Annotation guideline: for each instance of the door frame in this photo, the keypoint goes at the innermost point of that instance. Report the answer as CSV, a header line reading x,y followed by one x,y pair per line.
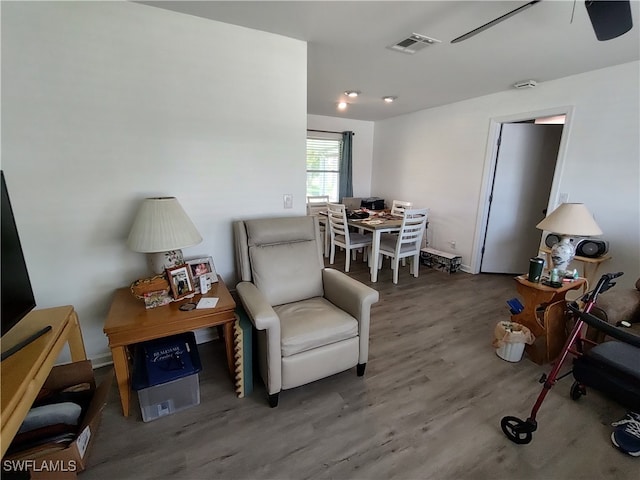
x,y
489,169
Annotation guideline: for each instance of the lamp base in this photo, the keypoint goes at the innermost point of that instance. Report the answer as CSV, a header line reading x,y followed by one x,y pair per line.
x,y
160,261
562,253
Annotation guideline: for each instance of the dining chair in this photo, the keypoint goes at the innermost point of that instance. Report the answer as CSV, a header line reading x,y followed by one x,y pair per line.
x,y
342,237
399,206
315,205
407,243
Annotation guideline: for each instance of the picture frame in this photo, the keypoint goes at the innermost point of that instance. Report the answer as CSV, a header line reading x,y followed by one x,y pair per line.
x,y
180,281
202,267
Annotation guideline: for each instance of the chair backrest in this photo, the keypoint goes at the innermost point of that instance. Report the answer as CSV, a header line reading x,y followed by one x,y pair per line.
x,y
281,256
414,224
399,206
317,204
337,215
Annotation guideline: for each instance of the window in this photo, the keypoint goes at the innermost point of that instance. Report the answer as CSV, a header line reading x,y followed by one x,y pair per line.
x,y
323,166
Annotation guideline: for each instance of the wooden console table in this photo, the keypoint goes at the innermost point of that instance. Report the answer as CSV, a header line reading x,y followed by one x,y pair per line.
x,y
549,329
24,373
129,322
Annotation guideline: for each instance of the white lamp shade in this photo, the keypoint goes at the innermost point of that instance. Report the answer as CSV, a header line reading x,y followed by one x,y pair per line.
x,y
162,225
571,219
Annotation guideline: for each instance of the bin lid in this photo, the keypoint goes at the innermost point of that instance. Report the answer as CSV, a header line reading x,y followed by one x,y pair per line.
x,y
165,359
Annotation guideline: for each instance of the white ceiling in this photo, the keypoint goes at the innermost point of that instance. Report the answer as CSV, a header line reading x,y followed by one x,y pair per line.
x,y
347,47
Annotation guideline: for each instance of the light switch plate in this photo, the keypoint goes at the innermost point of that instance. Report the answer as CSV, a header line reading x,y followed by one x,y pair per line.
x,y
288,200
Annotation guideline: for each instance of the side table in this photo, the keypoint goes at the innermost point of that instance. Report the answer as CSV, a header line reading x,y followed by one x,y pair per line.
x,y
544,315
130,322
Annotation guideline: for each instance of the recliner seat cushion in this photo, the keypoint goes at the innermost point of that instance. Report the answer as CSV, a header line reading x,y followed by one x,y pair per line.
x,y
313,323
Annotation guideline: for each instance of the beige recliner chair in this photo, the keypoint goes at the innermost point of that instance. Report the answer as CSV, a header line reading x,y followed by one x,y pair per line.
x,y
312,321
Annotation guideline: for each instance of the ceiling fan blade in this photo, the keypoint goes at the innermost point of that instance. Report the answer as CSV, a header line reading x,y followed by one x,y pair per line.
x,y
609,19
494,22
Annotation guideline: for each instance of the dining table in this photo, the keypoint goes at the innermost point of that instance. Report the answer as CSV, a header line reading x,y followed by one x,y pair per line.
x,y
377,225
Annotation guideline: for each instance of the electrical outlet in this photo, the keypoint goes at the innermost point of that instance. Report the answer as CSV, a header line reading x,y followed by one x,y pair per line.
x,y
288,200
453,244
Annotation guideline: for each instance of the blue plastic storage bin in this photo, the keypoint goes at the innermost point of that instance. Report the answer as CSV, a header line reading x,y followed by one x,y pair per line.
x,y
165,375
165,359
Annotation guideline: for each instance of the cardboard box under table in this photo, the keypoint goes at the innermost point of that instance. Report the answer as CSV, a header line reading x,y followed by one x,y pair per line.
x,y
165,375
47,454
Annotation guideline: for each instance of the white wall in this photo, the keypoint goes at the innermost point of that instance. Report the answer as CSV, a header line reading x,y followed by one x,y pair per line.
x,y
105,103
362,147
436,158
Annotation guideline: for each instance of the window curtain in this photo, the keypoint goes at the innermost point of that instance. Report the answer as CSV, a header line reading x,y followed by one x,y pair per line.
x,y
346,160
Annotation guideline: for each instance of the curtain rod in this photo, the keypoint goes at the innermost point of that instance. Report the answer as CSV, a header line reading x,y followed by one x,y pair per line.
x,y
324,131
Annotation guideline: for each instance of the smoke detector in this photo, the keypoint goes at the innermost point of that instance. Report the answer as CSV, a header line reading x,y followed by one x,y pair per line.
x,y
525,84
414,43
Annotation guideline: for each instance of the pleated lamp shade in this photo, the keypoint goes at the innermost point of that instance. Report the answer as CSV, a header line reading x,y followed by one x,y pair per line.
x,y
162,225
571,219
161,229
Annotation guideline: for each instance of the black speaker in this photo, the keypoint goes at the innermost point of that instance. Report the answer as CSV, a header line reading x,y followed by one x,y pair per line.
x,y
553,238
591,248
609,18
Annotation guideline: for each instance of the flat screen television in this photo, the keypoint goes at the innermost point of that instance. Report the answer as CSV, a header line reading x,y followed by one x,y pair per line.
x,y
17,295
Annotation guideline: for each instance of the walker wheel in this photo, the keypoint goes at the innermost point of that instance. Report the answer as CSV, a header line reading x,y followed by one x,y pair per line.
x,y
577,390
516,430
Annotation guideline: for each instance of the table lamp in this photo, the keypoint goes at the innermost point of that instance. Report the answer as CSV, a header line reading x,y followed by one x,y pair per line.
x,y
161,229
569,219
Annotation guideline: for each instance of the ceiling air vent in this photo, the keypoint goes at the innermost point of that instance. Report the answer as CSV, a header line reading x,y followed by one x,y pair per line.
x,y
413,43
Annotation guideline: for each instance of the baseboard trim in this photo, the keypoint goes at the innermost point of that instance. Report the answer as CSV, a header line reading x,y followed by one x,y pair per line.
x,y
100,361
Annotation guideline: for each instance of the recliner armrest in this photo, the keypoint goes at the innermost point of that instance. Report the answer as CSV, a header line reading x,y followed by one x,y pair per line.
x,y
348,294
356,299
262,315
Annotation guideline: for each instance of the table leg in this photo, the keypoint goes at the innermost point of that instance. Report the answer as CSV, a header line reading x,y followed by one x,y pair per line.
x,y
228,343
121,367
76,344
375,252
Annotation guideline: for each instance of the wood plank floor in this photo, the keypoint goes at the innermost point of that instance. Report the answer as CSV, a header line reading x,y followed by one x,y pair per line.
x,y
428,407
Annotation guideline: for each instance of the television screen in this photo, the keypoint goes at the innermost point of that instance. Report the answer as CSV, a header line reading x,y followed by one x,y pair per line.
x,y
17,294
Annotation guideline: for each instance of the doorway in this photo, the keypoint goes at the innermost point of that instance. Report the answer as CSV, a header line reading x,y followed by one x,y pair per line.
x,y
523,172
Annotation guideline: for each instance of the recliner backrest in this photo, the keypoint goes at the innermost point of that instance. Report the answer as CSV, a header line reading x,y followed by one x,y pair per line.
x,y
281,256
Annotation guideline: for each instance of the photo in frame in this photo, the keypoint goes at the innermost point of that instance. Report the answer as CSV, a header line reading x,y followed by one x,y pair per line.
x,y
181,281
202,267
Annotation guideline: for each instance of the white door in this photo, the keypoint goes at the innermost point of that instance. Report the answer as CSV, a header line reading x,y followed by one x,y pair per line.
x,y
524,171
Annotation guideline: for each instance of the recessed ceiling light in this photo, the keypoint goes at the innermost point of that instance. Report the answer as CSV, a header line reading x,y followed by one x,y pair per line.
x,y
342,106
389,99
352,93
